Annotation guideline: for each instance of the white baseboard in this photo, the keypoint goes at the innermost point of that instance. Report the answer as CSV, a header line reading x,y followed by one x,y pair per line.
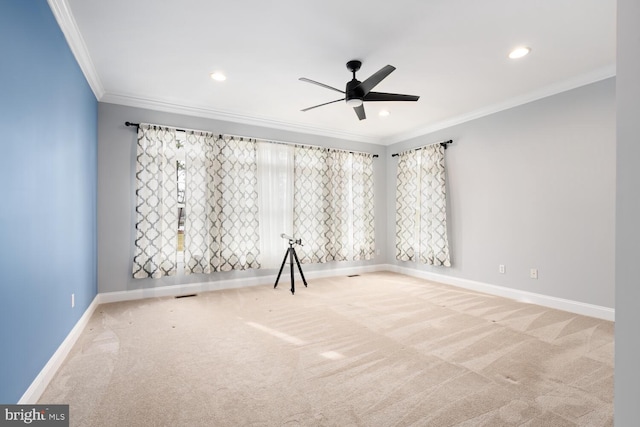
x,y
577,307
191,288
40,383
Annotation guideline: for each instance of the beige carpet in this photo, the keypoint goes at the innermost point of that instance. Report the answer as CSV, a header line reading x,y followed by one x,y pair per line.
x,y
381,349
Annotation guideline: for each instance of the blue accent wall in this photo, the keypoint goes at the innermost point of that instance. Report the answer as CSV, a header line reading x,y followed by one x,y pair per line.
x,y
48,171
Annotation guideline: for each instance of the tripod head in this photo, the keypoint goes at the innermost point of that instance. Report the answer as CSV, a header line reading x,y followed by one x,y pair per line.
x,y
291,240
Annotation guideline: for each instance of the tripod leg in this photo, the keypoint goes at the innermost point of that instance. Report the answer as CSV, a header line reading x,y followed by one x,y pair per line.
x,y
299,268
291,253
281,267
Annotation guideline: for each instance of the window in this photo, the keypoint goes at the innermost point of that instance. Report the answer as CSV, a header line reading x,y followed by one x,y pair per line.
x,y
324,196
220,203
275,200
181,183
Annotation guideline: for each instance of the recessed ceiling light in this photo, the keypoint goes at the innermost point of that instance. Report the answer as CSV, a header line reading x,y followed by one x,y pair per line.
x,y
218,76
384,113
519,52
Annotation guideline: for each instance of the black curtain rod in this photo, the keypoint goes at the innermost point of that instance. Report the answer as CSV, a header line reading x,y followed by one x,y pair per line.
x,y
443,144
137,125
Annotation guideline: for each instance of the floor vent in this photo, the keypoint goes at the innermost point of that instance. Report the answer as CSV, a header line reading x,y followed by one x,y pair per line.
x,y
187,296
354,275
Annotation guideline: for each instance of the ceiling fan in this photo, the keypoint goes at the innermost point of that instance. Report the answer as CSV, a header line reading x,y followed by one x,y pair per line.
x,y
358,92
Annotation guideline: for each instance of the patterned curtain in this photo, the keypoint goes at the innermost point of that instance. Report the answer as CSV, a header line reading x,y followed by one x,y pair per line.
x,y
421,225
221,227
339,237
200,237
155,252
362,206
333,205
311,202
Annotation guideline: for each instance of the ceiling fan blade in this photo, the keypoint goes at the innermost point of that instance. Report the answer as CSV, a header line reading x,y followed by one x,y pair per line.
x,y
360,112
304,79
381,96
376,78
326,103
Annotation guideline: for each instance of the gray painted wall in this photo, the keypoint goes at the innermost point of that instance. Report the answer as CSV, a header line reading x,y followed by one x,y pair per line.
x,y
116,192
627,374
531,187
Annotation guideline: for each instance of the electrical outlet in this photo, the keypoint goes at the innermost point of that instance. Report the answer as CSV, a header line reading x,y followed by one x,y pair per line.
x,y
501,269
73,300
533,273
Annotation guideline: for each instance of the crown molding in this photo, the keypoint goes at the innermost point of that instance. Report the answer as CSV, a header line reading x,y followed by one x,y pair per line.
x,y
169,107
554,89
67,24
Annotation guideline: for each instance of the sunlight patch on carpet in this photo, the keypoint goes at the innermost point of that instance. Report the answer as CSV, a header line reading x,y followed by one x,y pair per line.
x,y
332,355
284,337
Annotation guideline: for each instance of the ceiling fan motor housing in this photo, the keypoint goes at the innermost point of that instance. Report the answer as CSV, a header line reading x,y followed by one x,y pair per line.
x,y
353,90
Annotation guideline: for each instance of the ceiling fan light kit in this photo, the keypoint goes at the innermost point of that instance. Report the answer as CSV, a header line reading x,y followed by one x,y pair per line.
x,y
357,92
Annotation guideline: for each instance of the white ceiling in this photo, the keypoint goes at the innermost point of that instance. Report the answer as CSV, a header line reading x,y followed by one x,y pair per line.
x,y
453,53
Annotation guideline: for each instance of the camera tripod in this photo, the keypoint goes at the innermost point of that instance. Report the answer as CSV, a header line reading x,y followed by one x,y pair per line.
x,y
291,253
